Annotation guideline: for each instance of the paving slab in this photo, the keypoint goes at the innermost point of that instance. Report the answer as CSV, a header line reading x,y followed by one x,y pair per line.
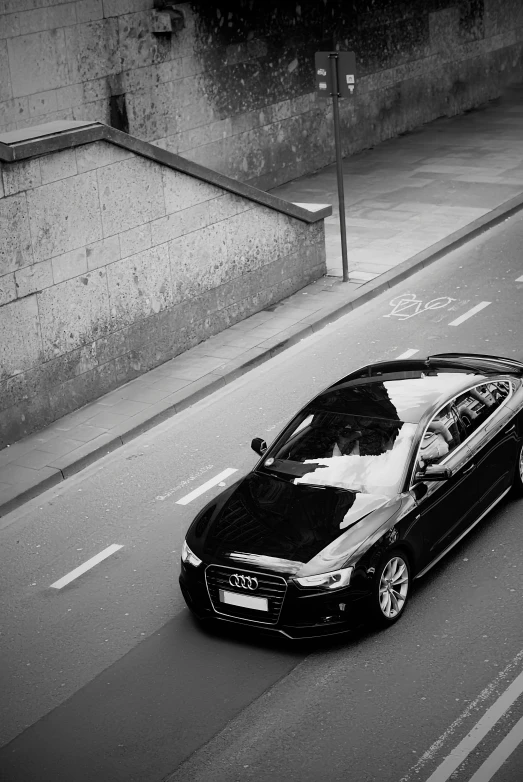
x,y
408,202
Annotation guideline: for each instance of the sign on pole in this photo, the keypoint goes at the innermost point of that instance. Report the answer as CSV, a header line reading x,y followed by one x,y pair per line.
x,y
346,73
323,74
335,78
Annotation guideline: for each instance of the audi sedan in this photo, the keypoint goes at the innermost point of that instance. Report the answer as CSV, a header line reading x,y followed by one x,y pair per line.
x,y
366,488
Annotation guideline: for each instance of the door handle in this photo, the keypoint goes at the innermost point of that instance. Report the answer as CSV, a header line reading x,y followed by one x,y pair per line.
x,y
468,469
510,429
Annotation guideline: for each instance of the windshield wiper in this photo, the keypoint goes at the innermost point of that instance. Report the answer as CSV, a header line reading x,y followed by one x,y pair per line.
x,y
326,486
295,469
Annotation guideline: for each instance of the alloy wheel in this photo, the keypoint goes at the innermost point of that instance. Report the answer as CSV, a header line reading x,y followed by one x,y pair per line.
x,y
517,485
393,587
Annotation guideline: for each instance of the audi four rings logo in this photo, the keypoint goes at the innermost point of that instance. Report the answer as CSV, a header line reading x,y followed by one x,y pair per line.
x,y
243,582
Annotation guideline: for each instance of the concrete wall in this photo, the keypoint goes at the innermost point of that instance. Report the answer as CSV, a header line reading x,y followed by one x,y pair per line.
x,y
111,263
234,89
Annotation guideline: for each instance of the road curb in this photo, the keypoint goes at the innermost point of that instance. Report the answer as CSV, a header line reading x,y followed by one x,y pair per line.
x,y
30,493
311,324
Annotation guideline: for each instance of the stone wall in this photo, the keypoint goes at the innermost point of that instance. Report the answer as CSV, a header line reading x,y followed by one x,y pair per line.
x,y
234,89
112,262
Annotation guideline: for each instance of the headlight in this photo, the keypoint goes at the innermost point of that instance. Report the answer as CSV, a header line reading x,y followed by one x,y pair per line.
x,y
334,580
188,557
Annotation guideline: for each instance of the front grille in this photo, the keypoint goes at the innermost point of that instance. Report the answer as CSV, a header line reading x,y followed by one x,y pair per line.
x,y
269,586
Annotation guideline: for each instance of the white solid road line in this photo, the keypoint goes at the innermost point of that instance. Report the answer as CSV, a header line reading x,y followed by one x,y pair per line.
x,y
408,353
503,751
478,732
470,313
206,486
430,754
86,566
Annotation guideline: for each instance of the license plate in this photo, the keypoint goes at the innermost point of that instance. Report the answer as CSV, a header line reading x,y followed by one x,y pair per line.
x,y
244,601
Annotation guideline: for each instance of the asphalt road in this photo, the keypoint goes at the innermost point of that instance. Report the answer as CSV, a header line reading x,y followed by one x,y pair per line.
x,y
108,677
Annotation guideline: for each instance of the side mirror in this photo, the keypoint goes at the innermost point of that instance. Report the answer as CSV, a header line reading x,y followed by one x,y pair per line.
x,y
419,490
434,473
259,446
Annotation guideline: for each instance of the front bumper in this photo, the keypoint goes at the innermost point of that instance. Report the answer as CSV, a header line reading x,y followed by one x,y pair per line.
x,y
303,614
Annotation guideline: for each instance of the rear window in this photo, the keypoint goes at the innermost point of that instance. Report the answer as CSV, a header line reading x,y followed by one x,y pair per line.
x,y
478,403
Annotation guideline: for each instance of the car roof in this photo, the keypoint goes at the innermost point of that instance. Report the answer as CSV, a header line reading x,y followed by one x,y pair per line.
x,y
406,390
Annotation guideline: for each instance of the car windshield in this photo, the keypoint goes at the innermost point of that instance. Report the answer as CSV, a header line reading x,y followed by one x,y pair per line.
x,y
351,452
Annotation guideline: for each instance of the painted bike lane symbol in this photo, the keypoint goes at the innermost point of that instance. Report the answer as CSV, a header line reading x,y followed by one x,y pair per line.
x,y
407,305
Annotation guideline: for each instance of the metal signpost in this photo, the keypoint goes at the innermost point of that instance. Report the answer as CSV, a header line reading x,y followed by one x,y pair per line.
x,y
335,75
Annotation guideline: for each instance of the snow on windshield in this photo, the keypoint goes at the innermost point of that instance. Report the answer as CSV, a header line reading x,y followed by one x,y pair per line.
x,y
370,474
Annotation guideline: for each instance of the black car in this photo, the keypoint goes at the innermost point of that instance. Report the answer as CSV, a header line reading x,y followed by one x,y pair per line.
x,y
368,486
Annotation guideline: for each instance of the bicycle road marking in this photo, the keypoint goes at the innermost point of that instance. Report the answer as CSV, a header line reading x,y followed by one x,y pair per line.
x,y
86,566
469,313
206,486
407,305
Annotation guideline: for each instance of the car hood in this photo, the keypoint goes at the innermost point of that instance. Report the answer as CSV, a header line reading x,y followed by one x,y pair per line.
x,y
270,522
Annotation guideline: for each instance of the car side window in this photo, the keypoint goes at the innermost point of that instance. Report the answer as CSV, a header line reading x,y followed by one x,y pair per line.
x,y
478,403
442,435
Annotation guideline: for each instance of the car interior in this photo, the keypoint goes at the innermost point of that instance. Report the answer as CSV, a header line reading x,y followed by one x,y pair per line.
x,y
457,420
325,435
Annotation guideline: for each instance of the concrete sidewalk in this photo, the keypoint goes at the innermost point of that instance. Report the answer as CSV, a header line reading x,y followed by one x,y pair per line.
x,y
408,202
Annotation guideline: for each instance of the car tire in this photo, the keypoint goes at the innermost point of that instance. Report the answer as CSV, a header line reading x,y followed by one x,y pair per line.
x,y
517,484
391,589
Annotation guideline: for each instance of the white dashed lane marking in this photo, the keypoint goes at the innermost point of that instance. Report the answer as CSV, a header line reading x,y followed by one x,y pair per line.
x,y
408,353
469,313
206,486
86,566
182,484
